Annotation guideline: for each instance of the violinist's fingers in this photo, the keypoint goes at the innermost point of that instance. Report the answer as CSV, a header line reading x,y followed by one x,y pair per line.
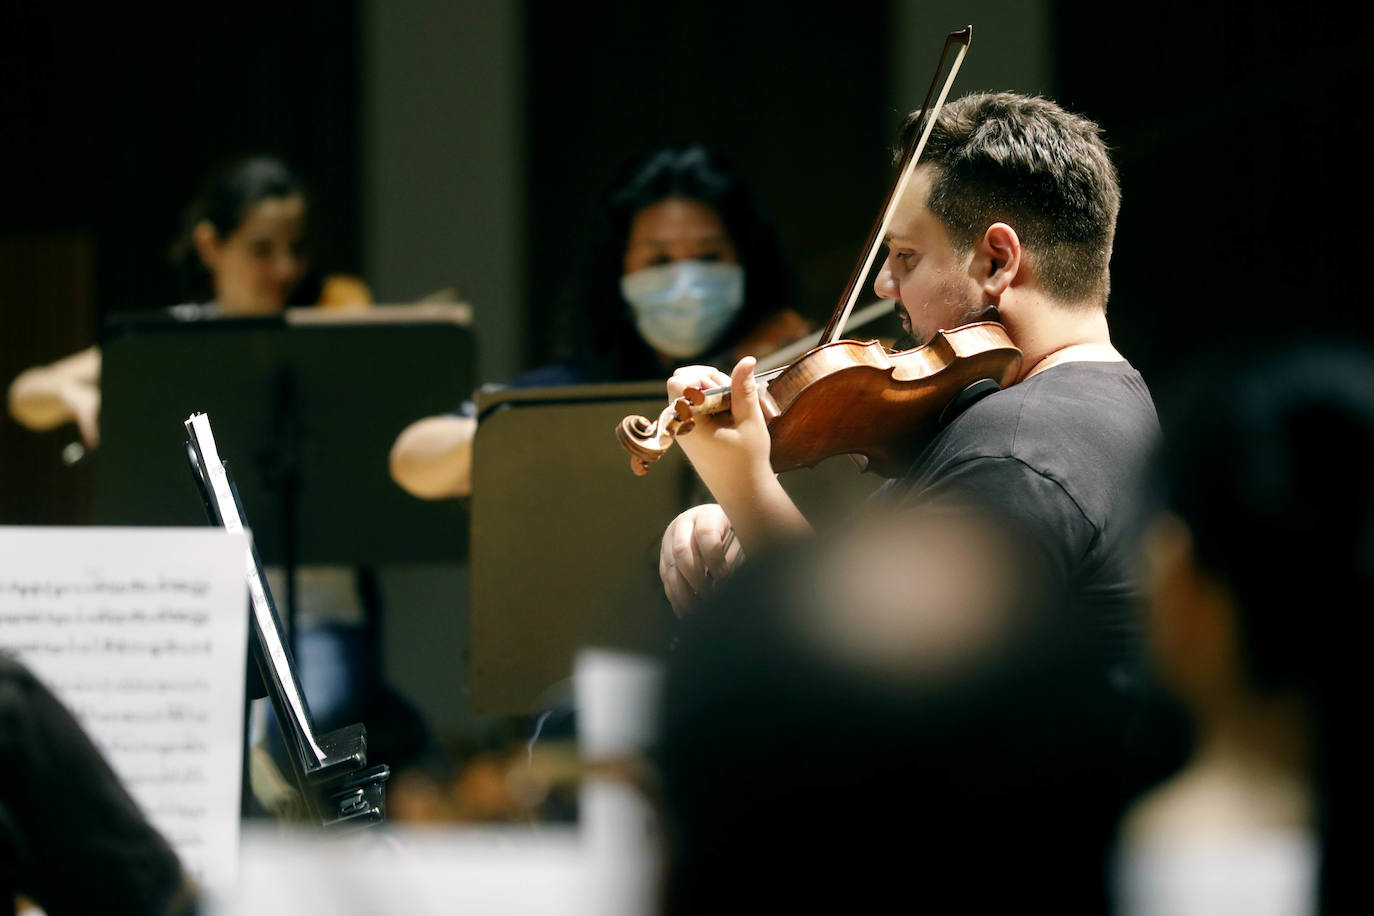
x,y
770,406
679,552
708,536
701,377
733,553
744,391
680,594
683,378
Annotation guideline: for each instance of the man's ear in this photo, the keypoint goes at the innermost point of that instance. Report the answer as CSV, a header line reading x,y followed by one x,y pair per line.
x,y
998,259
206,240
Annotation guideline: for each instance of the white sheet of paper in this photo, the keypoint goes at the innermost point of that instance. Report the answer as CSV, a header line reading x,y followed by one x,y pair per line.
x,y
142,633
414,870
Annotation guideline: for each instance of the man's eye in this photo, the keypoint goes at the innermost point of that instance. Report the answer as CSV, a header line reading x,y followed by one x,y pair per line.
x,y
261,249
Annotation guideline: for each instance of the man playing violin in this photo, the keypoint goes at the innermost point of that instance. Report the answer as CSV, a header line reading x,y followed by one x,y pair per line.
x,y
1010,215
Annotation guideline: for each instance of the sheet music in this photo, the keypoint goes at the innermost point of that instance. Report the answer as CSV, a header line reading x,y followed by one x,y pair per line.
x,y
142,633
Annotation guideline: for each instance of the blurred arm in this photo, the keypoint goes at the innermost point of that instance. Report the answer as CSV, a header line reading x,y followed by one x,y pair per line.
x,y
432,457
66,391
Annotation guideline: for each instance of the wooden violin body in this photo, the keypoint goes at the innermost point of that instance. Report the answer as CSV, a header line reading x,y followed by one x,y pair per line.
x,y
848,397
862,399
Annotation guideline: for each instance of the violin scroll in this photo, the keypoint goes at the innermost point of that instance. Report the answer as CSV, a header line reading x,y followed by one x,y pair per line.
x,y
647,441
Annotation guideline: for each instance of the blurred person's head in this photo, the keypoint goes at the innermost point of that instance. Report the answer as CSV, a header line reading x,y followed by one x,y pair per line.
x,y
1262,553
904,711
679,264
244,243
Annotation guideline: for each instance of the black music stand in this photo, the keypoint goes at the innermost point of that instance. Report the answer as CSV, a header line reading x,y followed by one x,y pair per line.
x,y
565,539
311,401
338,789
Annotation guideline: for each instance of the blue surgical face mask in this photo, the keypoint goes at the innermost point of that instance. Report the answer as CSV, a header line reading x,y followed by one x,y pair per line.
x,y
682,308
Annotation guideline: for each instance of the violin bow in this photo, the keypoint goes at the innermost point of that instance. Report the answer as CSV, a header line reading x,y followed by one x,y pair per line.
x,y
957,42
646,440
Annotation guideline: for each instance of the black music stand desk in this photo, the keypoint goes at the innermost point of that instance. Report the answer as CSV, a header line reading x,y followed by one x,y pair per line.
x,y
305,408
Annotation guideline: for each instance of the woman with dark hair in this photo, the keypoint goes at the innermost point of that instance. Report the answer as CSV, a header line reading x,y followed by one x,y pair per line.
x,y
679,228
244,247
242,252
1261,557
680,266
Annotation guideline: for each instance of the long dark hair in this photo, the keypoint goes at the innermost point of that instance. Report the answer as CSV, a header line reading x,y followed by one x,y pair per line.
x,y
223,200
601,338
1267,461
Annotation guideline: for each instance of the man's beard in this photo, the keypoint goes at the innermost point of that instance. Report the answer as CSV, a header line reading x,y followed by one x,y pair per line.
x,y
906,340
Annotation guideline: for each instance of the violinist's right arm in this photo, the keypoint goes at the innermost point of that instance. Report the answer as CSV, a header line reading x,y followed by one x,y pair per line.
x,y
696,554
66,391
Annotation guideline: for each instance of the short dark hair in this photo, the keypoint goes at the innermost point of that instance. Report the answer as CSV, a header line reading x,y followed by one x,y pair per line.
x,y
1023,160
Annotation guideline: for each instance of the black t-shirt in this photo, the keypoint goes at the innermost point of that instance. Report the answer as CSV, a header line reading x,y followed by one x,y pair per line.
x,y
1059,456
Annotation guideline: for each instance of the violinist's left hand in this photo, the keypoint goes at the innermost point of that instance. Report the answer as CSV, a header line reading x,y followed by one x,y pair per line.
x,y
730,450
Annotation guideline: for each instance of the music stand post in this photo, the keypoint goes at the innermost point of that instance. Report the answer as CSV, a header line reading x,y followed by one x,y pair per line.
x,y
338,788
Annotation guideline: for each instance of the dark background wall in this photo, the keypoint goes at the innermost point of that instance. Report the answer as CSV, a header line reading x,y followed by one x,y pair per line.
x,y
111,115
1241,131
799,101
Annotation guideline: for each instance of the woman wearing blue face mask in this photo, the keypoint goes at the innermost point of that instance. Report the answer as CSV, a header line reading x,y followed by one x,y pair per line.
x,y
680,267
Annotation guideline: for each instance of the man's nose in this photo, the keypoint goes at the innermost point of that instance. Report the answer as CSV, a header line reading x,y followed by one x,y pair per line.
x,y
883,284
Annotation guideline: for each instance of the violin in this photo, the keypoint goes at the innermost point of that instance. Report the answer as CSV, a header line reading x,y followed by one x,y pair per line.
x,y
848,397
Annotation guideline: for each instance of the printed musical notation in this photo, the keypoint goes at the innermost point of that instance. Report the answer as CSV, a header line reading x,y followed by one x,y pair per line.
x,y
142,633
